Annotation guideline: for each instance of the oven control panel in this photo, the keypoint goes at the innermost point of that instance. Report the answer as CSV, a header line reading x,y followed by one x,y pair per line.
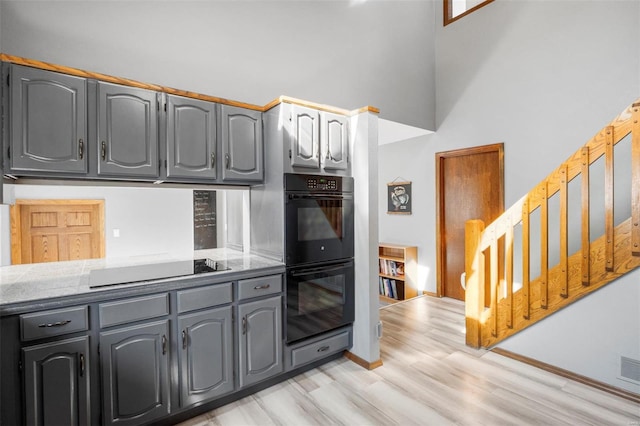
x,y
322,184
307,183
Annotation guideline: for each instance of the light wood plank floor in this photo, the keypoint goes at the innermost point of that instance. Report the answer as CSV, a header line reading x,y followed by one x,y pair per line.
x,y
429,377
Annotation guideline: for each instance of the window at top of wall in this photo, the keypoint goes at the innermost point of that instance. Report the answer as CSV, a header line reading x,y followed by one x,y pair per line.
x,y
456,9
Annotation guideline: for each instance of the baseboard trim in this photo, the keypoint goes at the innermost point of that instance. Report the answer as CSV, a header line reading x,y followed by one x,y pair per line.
x,y
622,393
361,362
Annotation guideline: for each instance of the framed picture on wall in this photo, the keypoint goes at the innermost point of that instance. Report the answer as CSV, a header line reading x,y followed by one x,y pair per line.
x,y
399,198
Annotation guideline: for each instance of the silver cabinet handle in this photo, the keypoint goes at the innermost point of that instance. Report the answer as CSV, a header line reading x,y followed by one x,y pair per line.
x,y
81,365
81,149
262,287
323,349
184,339
227,159
103,150
164,344
213,160
244,325
54,324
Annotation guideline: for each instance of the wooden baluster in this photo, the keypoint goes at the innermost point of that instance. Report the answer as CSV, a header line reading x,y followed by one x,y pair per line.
x,y
493,273
474,295
635,181
564,236
509,278
586,242
525,260
544,247
608,198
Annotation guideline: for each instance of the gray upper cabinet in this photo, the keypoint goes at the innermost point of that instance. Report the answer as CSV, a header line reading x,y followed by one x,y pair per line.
x,y
319,140
191,138
127,131
135,373
305,137
48,126
206,348
242,144
334,136
57,383
260,340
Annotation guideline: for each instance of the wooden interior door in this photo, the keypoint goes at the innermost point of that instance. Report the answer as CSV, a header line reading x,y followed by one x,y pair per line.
x,y
470,185
56,230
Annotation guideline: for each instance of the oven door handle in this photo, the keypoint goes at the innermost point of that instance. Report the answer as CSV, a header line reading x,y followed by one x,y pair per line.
x,y
320,197
301,272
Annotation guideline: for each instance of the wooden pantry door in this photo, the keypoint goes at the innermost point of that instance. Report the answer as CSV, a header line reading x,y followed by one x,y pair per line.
x,y
470,185
55,230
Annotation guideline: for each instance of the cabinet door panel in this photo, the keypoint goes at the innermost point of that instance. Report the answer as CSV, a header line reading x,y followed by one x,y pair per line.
x,y
135,371
305,137
206,365
191,138
127,131
242,146
335,141
48,121
260,330
57,383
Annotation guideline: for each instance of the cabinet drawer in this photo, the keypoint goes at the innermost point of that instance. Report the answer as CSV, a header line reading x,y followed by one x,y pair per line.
x,y
54,323
131,310
319,349
204,297
256,287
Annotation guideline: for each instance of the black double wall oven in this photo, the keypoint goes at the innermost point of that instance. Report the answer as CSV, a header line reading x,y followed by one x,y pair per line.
x,y
319,247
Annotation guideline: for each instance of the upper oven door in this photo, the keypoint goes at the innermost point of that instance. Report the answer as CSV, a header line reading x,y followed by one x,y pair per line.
x,y
318,227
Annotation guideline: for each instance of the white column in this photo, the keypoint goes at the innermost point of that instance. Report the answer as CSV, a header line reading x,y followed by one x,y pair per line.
x,y
364,158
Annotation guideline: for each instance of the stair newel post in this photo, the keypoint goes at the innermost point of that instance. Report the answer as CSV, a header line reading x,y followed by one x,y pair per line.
x,y
474,294
635,182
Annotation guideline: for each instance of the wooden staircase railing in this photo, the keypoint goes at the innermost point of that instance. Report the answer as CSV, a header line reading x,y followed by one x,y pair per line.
x,y
490,251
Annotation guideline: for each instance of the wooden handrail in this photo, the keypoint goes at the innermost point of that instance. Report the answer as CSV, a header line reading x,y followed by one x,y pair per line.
x,y
596,263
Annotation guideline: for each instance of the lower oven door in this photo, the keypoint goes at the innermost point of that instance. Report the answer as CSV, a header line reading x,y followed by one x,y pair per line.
x,y
319,298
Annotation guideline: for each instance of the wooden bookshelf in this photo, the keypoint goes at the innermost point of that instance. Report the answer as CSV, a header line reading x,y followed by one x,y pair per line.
x,y
397,272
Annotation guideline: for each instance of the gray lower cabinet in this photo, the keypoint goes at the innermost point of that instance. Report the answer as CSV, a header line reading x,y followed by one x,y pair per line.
x,y
206,360
127,131
260,340
56,382
242,144
135,373
191,138
48,124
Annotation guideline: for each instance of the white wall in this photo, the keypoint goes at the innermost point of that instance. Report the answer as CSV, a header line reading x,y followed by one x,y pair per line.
x,y
543,77
345,53
150,220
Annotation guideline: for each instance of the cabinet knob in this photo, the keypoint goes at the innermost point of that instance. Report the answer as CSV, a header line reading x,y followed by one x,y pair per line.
x,y
227,160
81,149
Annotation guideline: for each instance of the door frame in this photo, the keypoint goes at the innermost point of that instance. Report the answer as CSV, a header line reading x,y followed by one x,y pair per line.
x,y
440,157
16,226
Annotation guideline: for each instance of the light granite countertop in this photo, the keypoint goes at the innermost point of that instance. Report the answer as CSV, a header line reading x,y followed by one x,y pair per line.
x,y
31,286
